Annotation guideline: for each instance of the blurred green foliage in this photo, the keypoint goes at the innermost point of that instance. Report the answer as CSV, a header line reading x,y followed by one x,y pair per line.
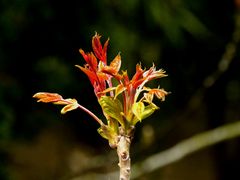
x,y
39,42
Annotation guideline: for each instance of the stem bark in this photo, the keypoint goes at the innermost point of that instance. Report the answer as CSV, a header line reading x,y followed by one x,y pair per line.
x,y
123,148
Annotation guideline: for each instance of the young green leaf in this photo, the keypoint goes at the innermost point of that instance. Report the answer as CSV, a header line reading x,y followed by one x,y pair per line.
x,y
109,134
73,104
138,109
112,108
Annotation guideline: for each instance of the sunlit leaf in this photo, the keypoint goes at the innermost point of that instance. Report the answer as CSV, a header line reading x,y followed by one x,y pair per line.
x,y
107,90
113,68
99,51
63,101
148,97
116,63
138,109
91,74
109,134
119,89
47,97
112,108
71,106
159,93
90,59
138,74
149,110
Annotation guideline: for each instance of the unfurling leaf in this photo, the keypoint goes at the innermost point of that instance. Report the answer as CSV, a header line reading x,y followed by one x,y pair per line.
x,y
149,110
119,89
113,68
47,97
109,134
70,104
159,93
73,104
116,63
141,111
107,90
138,109
99,51
112,108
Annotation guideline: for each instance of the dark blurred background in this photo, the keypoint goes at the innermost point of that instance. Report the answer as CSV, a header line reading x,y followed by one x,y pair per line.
x,y
191,40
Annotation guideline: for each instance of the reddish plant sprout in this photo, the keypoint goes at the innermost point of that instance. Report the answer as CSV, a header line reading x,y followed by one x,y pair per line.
x,y
123,105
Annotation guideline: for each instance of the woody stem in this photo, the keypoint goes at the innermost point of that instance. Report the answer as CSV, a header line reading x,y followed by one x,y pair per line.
x,y
123,147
